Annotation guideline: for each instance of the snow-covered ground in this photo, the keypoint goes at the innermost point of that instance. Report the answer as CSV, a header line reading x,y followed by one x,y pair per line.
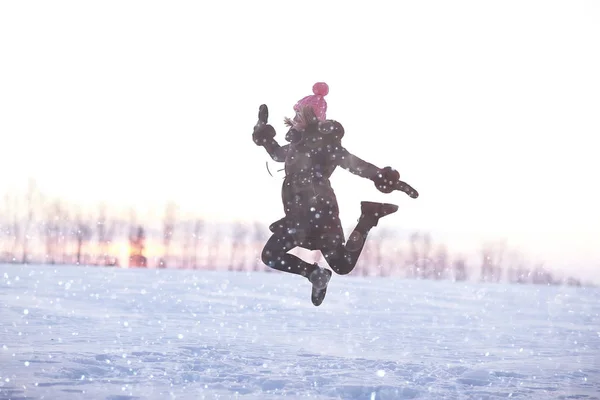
x,y
108,333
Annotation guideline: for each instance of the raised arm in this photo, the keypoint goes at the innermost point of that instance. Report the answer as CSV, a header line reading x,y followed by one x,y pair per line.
x,y
264,135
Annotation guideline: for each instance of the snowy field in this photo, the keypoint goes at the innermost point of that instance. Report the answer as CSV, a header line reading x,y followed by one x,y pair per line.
x,y
107,333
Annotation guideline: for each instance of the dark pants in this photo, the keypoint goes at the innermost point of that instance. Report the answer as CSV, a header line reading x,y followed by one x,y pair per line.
x,y
341,258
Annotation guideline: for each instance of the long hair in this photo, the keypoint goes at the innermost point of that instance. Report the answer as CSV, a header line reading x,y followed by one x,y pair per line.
x,y
303,119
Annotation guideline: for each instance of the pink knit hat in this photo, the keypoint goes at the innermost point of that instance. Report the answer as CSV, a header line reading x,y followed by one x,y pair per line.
x,y
316,101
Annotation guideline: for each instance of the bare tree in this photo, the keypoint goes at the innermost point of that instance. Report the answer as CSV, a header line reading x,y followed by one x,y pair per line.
x,y
440,263
11,228
168,229
31,198
137,245
420,264
64,225
486,263
4,229
187,233
413,261
397,261
238,237
499,260
198,230
426,264
492,255
52,231
105,230
522,273
460,269
137,242
514,262
541,276
214,247
82,233
378,241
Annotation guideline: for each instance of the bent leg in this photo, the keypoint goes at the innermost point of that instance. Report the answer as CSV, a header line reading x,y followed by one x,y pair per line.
x,y
343,258
275,255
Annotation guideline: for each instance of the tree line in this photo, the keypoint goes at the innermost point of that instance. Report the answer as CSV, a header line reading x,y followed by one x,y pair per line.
x,y
35,228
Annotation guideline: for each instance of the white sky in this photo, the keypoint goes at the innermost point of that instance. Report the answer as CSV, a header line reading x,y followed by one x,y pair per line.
x,y
493,108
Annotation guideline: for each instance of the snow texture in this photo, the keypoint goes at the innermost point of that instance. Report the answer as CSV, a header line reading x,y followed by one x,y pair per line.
x,y
116,334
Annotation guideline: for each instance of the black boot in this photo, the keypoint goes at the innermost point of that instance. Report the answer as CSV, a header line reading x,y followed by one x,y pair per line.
x,y
371,212
319,278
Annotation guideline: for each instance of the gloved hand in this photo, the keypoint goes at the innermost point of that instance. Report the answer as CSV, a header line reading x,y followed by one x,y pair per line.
x,y
386,179
263,132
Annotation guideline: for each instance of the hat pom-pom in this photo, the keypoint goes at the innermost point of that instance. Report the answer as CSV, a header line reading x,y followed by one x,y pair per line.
x,y
320,89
